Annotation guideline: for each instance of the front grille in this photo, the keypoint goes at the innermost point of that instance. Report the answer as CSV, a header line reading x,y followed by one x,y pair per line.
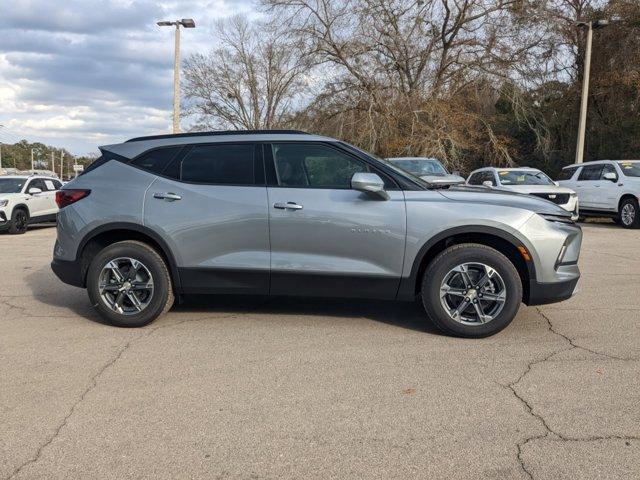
x,y
558,198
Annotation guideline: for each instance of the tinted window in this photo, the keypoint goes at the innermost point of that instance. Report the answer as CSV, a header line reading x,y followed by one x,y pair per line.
x,y
567,173
219,164
475,179
481,177
591,172
318,166
156,161
608,169
37,183
489,177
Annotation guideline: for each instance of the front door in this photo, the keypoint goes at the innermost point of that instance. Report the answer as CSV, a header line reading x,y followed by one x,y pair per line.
x,y
607,193
39,203
588,186
213,215
327,239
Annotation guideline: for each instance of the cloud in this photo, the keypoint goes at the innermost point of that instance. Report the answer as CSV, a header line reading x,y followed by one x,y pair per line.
x,y
80,73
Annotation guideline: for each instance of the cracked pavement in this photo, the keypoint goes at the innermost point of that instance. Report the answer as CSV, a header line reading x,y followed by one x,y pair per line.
x,y
294,388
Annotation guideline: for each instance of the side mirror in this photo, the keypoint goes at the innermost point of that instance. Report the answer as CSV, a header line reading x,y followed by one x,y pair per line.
x,y
34,191
557,184
456,172
369,183
610,176
487,183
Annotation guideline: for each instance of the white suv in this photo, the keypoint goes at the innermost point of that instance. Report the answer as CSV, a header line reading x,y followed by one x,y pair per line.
x,y
529,181
606,188
27,199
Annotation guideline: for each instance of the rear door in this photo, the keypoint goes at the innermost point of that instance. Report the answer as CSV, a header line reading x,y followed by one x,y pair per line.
x,y
209,203
50,194
327,239
587,186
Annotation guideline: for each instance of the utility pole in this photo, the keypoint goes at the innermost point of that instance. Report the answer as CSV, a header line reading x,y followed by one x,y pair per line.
x,y
62,165
0,158
590,26
186,23
53,163
32,160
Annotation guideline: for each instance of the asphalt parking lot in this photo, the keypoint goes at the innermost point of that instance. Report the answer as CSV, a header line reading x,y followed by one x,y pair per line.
x,y
247,388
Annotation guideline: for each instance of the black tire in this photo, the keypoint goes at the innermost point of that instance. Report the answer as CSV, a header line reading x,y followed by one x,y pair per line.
x,y
19,221
454,256
161,299
629,205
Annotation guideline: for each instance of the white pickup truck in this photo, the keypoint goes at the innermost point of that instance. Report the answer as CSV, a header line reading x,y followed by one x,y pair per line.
x,y
27,199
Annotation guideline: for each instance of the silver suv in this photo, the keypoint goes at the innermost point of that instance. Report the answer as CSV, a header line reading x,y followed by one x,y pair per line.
x,y
288,213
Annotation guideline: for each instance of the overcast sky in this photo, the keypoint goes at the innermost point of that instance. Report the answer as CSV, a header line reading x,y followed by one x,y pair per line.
x,y
83,73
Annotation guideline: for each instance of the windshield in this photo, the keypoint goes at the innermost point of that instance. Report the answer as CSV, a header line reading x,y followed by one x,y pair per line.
x,y
630,169
11,185
420,166
523,177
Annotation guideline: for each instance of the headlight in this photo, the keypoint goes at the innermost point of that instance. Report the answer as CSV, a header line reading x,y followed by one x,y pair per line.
x,y
3,203
557,218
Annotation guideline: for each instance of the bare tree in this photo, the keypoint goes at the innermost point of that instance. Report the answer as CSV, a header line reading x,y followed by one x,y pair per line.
x,y
250,82
402,65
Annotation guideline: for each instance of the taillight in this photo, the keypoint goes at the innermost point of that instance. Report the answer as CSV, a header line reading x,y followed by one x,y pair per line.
x,y
65,198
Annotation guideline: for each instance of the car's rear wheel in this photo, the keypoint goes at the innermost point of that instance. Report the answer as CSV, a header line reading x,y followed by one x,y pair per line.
x,y
471,290
629,214
129,284
19,221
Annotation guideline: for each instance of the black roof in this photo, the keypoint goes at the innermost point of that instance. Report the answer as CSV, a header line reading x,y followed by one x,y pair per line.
x,y
218,132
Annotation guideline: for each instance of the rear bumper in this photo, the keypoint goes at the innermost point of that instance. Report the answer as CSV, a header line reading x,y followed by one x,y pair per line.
x,y
68,271
544,293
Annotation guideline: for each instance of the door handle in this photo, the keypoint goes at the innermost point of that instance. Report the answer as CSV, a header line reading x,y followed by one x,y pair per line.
x,y
168,196
287,206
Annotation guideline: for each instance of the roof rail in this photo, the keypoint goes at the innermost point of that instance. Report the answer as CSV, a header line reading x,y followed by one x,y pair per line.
x,y
208,134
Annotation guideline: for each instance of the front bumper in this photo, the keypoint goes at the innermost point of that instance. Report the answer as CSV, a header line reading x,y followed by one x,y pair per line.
x,y
544,293
69,272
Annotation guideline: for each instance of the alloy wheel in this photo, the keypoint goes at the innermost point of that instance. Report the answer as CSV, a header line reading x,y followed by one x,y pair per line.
x,y
126,286
628,214
473,293
20,221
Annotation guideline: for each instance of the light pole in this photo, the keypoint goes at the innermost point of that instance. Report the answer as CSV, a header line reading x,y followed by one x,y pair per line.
x,y
590,26
186,23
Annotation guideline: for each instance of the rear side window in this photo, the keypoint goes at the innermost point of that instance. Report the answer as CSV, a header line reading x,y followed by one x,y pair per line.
x,y
156,161
219,165
567,173
590,172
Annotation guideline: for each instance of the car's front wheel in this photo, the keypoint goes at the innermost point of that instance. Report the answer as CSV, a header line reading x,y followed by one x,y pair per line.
x,y
471,290
19,221
129,284
629,215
